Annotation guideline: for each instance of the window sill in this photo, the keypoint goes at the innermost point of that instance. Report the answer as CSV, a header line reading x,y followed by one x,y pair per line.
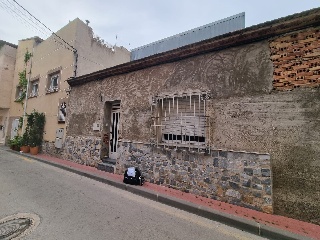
x,y
183,145
52,91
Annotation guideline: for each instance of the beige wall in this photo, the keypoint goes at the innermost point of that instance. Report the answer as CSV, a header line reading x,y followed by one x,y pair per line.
x,y
94,54
7,64
49,55
16,109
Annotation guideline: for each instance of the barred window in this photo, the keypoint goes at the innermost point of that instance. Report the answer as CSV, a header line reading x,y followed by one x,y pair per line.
x,y
180,120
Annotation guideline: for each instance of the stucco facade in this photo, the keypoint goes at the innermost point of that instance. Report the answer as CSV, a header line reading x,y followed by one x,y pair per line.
x,y
7,64
260,143
51,64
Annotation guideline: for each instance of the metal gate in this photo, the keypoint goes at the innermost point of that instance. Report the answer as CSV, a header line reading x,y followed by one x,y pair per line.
x,y
114,130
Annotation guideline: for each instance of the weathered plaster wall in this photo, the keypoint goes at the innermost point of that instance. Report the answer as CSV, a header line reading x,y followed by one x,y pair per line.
x,y
234,72
245,115
284,124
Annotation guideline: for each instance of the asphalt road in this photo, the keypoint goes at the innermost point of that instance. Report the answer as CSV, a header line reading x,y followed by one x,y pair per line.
x,y
75,207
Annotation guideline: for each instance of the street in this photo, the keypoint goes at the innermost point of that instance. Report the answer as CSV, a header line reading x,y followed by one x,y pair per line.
x,y
74,207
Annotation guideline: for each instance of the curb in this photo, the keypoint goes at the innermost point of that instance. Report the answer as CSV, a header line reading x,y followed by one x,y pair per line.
x,y
243,224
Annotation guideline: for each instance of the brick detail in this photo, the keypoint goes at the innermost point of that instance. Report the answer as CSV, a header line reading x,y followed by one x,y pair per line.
x,y
296,60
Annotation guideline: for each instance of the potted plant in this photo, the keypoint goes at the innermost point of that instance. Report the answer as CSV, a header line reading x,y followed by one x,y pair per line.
x,y
15,143
35,129
25,142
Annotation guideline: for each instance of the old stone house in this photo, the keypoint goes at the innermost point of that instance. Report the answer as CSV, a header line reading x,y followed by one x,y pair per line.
x,y
72,51
7,64
234,118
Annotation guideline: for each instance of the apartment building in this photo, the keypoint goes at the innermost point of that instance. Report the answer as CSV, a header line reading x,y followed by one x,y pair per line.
x,y
7,65
70,52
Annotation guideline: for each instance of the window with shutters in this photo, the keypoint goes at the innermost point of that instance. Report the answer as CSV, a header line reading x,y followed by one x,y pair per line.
x,y
180,120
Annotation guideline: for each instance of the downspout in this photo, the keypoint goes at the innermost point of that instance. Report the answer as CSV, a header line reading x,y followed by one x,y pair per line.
x,y
27,91
75,62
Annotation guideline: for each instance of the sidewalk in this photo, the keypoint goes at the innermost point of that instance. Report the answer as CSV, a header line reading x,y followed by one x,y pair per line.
x,y
266,225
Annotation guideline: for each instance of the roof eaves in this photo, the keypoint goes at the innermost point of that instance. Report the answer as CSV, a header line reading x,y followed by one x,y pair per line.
x,y
255,33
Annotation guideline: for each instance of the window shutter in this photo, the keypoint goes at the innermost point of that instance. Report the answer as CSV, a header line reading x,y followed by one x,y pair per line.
x,y
183,120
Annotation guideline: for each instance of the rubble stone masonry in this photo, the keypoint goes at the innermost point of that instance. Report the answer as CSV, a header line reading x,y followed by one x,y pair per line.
x,y
238,178
83,150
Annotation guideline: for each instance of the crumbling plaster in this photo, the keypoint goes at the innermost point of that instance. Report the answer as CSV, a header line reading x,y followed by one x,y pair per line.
x,y
245,115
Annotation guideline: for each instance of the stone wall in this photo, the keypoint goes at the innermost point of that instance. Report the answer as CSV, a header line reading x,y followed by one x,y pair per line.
x,y
48,147
82,150
238,178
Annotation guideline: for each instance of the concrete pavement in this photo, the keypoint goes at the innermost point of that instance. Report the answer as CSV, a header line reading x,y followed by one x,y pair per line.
x,y
262,224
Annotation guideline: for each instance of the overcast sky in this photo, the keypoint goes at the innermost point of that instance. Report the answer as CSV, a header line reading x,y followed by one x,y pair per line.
x,y
139,22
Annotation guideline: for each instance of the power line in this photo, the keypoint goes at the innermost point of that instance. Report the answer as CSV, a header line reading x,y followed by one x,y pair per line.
x,y
18,17
75,50
37,25
30,24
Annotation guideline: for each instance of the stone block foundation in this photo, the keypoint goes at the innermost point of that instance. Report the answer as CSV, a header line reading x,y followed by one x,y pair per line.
x,y
239,178
82,150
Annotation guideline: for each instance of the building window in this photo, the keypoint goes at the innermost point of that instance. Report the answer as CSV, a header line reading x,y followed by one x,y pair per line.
x,y
19,93
53,82
181,120
34,88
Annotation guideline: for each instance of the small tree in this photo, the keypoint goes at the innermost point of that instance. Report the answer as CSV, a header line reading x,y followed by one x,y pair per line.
x,y
35,128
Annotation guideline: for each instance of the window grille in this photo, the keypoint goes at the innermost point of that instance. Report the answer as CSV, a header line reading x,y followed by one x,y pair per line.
x,y
181,120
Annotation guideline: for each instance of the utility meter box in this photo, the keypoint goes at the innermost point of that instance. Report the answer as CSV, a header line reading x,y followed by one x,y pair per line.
x,y
59,133
59,137
58,143
96,127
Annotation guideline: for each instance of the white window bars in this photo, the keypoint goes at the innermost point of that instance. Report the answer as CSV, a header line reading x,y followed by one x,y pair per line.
x,y
181,120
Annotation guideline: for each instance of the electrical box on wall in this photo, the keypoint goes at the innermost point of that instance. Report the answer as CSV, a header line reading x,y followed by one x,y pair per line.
x,y
96,127
59,133
59,136
58,143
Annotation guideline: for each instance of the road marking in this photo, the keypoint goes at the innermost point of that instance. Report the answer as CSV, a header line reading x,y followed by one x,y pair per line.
x,y
26,159
23,158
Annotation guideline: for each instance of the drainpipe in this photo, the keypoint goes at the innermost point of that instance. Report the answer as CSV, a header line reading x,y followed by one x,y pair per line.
x,y
75,62
28,84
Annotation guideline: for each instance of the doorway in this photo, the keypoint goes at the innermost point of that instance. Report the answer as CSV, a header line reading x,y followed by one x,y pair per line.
x,y
114,130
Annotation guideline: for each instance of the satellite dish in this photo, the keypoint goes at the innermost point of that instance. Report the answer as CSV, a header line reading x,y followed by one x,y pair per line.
x,y
87,21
